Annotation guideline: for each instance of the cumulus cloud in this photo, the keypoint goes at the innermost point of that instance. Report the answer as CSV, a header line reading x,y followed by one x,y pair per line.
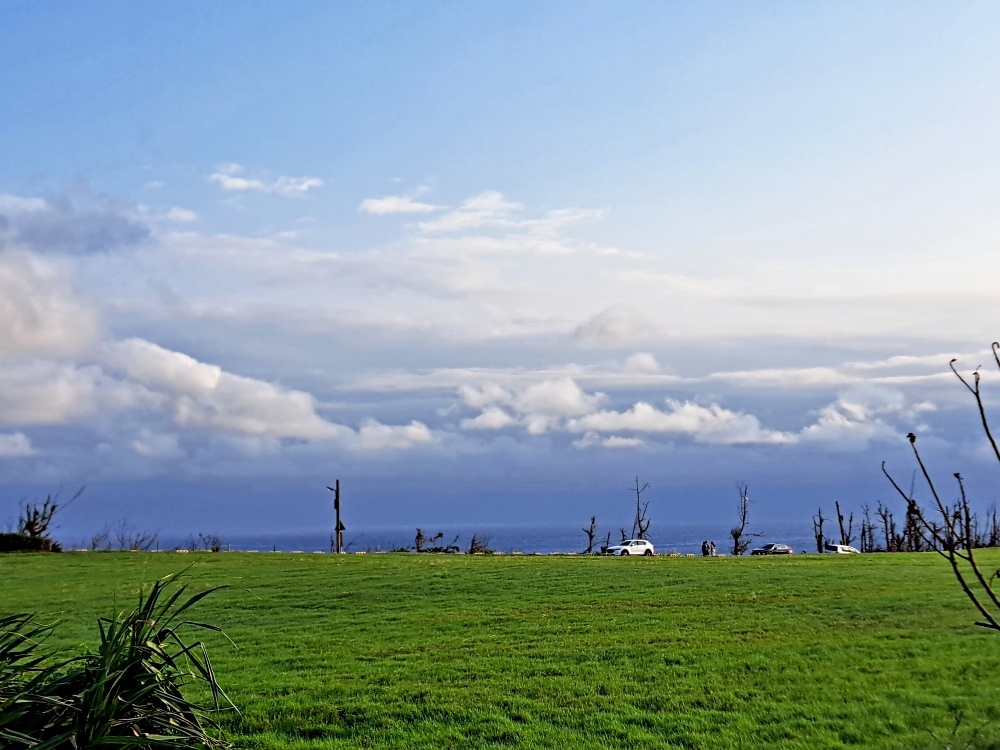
x,y
703,424
556,398
642,363
561,405
161,369
491,418
374,436
43,392
205,398
396,204
862,415
14,445
63,226
538,407
230,177
246,406
40,313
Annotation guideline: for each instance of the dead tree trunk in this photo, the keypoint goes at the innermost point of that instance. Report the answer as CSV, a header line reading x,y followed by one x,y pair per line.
x,y
741,538
591,532
640,526
818,530
867,530
846,535
893,541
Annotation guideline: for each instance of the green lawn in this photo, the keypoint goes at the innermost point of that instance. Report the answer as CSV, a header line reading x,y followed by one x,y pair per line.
x,y
407,651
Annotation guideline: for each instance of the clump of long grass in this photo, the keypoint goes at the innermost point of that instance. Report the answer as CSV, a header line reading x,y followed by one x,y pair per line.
x,y
126,694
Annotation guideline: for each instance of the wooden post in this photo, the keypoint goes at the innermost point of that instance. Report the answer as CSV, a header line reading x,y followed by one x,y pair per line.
x,y
339,527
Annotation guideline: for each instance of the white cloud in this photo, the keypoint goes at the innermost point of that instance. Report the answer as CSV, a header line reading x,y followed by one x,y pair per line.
x,y
244,406
488,209
40,313
539,406
711,424
230,177
561,405
396,204
491,418
161,369
14,445
556,398
43,392
864,414
642,362
591,439
374,436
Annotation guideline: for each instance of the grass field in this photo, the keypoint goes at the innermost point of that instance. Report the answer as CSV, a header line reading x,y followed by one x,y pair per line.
x,y
407,651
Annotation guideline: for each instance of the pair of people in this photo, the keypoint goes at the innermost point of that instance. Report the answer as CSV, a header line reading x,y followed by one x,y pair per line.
x,y
708,549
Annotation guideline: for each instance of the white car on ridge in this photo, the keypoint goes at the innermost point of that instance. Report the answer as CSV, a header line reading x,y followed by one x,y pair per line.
x,y
631,547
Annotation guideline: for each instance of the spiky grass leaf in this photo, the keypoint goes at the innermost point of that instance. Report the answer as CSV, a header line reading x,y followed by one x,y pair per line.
x,y
126,694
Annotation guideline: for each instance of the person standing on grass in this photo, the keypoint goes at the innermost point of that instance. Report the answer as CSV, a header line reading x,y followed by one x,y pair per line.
x,y
704,549
711,549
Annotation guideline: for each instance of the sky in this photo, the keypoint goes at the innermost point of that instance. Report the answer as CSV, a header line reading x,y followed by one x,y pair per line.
x,y
489,263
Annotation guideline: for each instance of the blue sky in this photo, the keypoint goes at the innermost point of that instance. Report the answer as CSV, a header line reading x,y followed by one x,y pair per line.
x,y
488,263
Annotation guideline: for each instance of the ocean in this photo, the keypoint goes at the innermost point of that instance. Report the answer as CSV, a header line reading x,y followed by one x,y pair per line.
x,y
528,539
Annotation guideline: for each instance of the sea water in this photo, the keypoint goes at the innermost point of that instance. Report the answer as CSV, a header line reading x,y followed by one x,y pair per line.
x,y
528,539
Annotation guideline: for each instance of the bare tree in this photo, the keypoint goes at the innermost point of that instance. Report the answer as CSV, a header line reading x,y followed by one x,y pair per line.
x,y
893,541
36,518
207,542
479,544
591,532
420,540
913,533
846,535
867,530
818,521
952,534
131,538
741,538
642,522
992,528
100,539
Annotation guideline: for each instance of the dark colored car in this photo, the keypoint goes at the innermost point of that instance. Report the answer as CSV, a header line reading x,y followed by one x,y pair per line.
x,y
773,549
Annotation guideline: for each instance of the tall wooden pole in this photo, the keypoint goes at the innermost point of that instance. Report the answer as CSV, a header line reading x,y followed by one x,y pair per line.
x,y
336,506
338,529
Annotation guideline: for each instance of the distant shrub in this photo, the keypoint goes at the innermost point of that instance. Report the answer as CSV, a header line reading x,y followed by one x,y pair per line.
x,y
24,543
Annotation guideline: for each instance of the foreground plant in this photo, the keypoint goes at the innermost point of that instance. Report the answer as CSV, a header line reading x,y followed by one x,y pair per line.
x,y
127,694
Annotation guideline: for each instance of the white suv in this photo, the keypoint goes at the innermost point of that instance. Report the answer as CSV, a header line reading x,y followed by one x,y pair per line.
x,y
631,547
